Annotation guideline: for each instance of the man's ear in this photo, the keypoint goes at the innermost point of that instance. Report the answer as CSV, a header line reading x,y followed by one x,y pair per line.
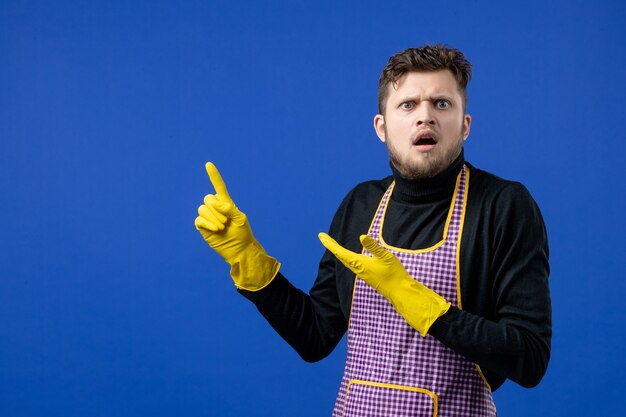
x,y
467,121
379,127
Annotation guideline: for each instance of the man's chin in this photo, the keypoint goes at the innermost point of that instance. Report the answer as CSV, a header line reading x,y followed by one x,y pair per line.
x,y
419,171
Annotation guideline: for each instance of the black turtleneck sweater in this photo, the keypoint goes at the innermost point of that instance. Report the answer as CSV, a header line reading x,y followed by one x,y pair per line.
x,y
505,324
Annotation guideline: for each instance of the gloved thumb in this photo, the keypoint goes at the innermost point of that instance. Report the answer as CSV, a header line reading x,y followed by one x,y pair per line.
x,y
237,217
223,207
371,245
228,209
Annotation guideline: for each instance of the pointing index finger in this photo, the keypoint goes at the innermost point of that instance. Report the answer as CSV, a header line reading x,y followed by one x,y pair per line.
x,y
352,260
343,254
217,181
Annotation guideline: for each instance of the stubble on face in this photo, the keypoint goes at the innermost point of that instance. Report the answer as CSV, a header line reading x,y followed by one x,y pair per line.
x,y
431,164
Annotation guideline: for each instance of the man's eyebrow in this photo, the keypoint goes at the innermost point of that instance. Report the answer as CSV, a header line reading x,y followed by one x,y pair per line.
x,y
409,98
442,94
433,96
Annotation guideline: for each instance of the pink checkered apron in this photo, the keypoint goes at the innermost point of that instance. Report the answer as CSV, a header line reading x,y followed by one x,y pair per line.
x,y
391,370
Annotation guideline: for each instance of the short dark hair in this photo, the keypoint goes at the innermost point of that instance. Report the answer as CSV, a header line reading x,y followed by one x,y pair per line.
x,y
427,58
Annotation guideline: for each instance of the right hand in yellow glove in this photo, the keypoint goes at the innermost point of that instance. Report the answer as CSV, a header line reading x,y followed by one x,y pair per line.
x,y
419,305
227,231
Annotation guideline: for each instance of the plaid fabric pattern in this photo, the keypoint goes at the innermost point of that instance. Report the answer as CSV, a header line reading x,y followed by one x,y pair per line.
x,y
391,370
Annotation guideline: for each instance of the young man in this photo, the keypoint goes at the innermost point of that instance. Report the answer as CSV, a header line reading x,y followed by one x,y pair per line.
x,y
439,273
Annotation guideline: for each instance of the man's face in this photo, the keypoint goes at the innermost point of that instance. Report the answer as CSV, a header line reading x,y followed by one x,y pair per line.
x,y
424,125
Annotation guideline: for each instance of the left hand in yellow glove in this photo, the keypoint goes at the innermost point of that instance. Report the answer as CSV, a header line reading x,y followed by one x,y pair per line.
x,y
419,305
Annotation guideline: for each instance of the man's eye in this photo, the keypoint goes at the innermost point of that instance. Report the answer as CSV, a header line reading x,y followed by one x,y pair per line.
x,y
442,104
407,105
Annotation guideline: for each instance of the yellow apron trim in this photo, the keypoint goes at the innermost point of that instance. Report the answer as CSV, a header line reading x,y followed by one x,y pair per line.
x,y
380,203
393,386
445,229
480,372
458,240
352,301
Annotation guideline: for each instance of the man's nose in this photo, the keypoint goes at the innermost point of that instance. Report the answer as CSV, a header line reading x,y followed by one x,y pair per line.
x,y
425,114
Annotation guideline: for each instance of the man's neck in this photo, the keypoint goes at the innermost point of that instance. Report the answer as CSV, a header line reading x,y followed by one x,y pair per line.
x,y
411,191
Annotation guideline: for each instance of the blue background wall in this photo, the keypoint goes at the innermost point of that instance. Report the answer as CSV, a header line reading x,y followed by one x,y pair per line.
x,y
111,303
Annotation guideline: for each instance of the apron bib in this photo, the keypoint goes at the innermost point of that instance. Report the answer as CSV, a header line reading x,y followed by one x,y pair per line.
x,y
391,370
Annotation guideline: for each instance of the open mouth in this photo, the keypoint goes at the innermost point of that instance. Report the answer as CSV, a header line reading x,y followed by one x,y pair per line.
x,y
425,141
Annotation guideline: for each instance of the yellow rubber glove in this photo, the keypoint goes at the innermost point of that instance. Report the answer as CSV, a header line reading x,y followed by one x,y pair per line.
x,y
419,305
227,231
